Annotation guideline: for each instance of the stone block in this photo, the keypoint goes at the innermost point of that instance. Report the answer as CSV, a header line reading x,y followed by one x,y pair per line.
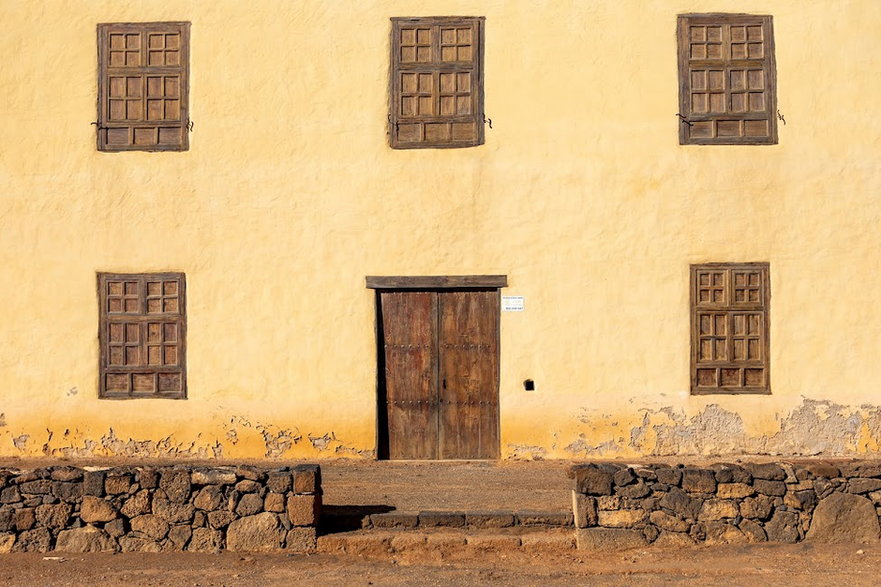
x,y
395,520
592,480
7,542
609,539
584,509
250,504
116,528
171,512
250,473
804,500
665,521
767,471
274,502
279,481
209,498
863,485
734,490
489,519
774,488
213,477
698,481
300,540
95,509
205,540
718,509
303,510
669,475
259,533
66,474
441,519
24,519
53,516
136,505
634,491
758,508
10,495
621,518
39,487
753,531
150,525
179,536
147,478
117,484
65,491
783,527
535,518
37,540
248,486
220,519
844,518
307,479
7,519
176,484
624,477
681,503
608,502
85,539
93,483
722,533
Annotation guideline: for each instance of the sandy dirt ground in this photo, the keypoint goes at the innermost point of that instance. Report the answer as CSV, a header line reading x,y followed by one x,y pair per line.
x,y
801,564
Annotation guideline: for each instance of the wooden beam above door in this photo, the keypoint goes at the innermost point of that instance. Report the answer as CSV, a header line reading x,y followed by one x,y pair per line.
x,y
435,281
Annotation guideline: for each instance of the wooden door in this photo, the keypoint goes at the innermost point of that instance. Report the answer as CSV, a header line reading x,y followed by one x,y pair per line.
x,y
441,366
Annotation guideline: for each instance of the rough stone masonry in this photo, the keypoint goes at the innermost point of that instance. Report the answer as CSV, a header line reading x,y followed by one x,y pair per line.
x,y
155,509
627,506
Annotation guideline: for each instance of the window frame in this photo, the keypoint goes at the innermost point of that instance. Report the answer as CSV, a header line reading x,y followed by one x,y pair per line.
x,y
396,117
768,64
105,71
142,318
731,308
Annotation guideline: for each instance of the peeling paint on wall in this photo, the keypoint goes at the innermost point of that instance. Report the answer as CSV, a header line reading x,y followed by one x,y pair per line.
x,y
815,427
21,442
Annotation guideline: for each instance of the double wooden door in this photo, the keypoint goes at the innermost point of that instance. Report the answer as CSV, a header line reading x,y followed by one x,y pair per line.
x,y
439,374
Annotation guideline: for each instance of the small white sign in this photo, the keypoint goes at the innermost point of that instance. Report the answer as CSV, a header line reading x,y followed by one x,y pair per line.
x,y
512,304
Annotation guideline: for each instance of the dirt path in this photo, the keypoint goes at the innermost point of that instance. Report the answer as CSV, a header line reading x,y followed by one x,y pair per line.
x,y
766,564
448,486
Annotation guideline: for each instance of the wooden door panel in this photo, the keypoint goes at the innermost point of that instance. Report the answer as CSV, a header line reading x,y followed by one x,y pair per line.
x,y
409,323
468,374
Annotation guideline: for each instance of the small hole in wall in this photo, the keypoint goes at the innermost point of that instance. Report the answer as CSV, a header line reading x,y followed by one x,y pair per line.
x,y
529,385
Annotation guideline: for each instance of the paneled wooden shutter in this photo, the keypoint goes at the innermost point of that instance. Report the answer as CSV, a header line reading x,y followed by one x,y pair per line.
x,y
436,86
143,86
727,79
142,335
730,339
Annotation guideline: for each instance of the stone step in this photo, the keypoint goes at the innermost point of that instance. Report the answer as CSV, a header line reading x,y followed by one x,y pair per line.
x,y
382,541
342,518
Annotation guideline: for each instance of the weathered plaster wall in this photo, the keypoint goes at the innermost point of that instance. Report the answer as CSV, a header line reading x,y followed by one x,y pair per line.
x,y
289,196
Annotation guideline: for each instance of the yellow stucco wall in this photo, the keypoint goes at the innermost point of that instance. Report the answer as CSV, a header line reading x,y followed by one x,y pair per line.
x,y
582,196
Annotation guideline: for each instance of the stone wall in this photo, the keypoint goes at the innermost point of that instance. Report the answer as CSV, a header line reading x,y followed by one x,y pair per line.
x,y
154,509
620,506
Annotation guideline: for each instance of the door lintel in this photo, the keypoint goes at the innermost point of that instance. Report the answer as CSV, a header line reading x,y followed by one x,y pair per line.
x,y
436,281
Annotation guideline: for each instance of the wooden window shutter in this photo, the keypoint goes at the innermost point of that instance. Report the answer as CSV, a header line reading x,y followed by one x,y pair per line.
x,y
729,328
142,335
143,86
727,80
436,85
